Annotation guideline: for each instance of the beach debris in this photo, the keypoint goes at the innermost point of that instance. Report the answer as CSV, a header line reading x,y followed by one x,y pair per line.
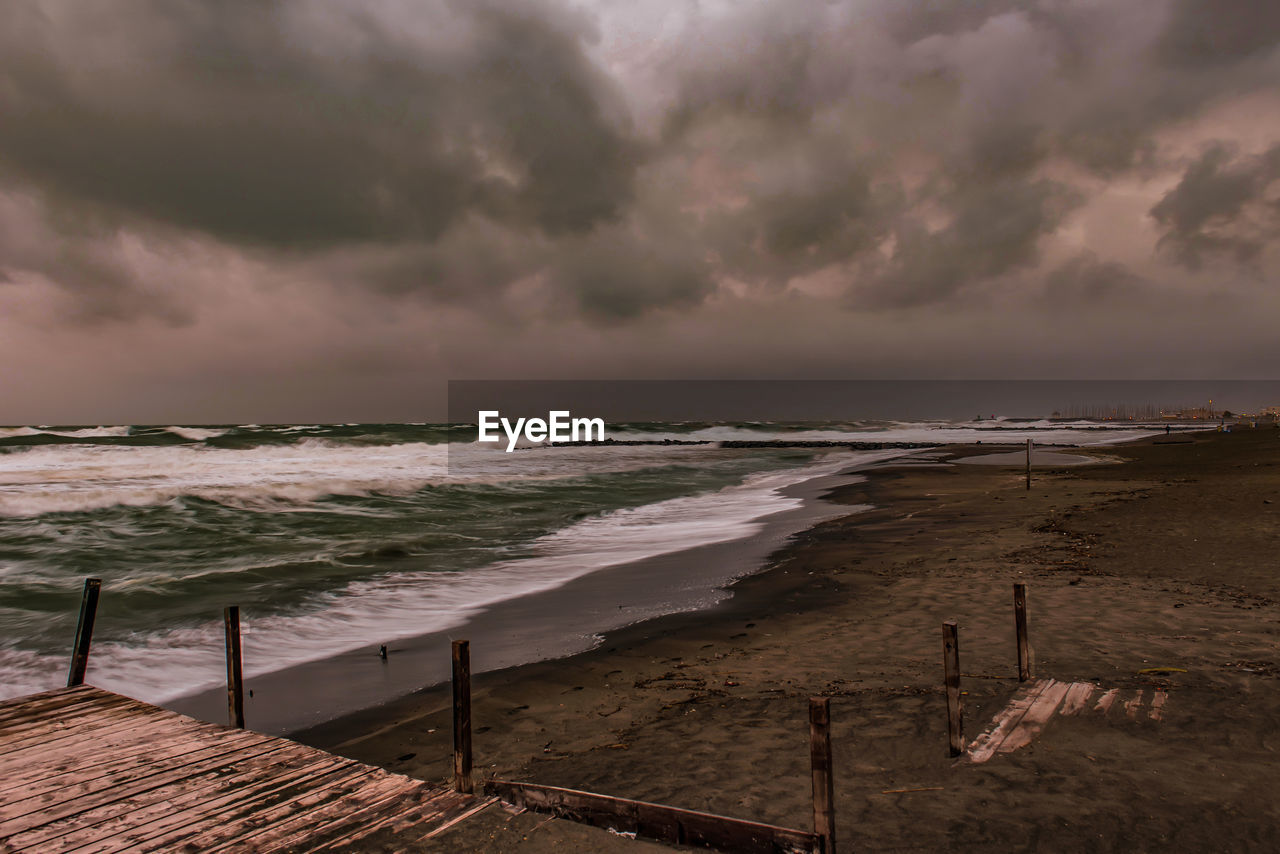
x,y
909,791
1160,670
1035,704
405,757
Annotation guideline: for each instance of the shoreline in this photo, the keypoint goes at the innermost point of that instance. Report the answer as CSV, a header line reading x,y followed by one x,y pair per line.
x,y
530,628
740,595
1163,560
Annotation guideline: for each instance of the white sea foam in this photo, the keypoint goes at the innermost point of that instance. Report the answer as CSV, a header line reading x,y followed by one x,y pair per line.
x,y
68,478
939,432
82,433
196,434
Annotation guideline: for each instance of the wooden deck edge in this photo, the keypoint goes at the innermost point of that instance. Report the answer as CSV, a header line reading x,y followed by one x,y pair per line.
x,y
658,822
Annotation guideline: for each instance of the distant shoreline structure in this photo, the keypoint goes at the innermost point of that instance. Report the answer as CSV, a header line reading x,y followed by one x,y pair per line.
x,y
1150,412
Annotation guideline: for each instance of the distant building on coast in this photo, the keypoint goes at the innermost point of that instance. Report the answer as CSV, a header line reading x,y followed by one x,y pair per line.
x,y
1136,412
1193,413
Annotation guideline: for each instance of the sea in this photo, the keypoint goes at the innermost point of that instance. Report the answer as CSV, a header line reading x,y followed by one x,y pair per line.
x,y
330,537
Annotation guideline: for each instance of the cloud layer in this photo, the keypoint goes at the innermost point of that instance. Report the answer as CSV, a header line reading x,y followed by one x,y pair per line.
x,y
553,176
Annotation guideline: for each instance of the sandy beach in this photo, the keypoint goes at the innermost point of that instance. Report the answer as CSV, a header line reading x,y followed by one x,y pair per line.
x,y
1153,573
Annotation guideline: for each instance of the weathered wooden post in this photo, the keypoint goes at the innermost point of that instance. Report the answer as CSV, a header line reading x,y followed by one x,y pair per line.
x,y
462,716
951,666
1020,621
84,632
235,669
824,814
1028,464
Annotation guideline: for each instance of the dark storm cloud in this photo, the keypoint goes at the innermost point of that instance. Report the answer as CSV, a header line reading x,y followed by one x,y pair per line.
x,y
1217,32
500,156
1219,208
298,124
994,229
617,274
1087,279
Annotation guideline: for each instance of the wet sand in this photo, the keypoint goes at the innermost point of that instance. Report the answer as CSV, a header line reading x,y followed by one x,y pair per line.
x,y
1168,560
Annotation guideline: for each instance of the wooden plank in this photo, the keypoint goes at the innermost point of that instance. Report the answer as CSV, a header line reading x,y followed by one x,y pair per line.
x,y
1157,704
233,811
34,706
449,820
41,779
1077,697
1104,702
1035,718
985,745
114,718
682,827
432,807
122,749
93,773
261,817
55,709
187,806
1131,707
159,730
395,798
19,703
92,712
47,810
369,790
95,713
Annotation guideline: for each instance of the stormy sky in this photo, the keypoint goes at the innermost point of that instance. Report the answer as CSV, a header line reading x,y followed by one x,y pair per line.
x,y
320,211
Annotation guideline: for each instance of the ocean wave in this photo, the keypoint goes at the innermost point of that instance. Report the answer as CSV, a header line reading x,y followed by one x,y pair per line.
x,y
70,478
171,663
76,433
196,434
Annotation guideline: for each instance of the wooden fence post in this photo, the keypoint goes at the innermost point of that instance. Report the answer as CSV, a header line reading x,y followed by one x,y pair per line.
x,y
235,669
1020,621
84,632
462,716
951,667
1028,464
824,815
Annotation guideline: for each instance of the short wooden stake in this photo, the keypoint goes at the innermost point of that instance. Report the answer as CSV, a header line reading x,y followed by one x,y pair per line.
x,y
824,814
462,716
1020,621
1028,464
951,666
84,632
235,669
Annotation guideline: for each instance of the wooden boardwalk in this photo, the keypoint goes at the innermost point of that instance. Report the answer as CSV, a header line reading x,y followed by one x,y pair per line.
x,y
1037,702
85,770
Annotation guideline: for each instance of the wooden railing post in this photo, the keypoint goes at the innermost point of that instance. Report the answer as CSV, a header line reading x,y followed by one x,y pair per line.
x,y
951,667
462,716
1020,622
235,670
84,632
1028,464
824,815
